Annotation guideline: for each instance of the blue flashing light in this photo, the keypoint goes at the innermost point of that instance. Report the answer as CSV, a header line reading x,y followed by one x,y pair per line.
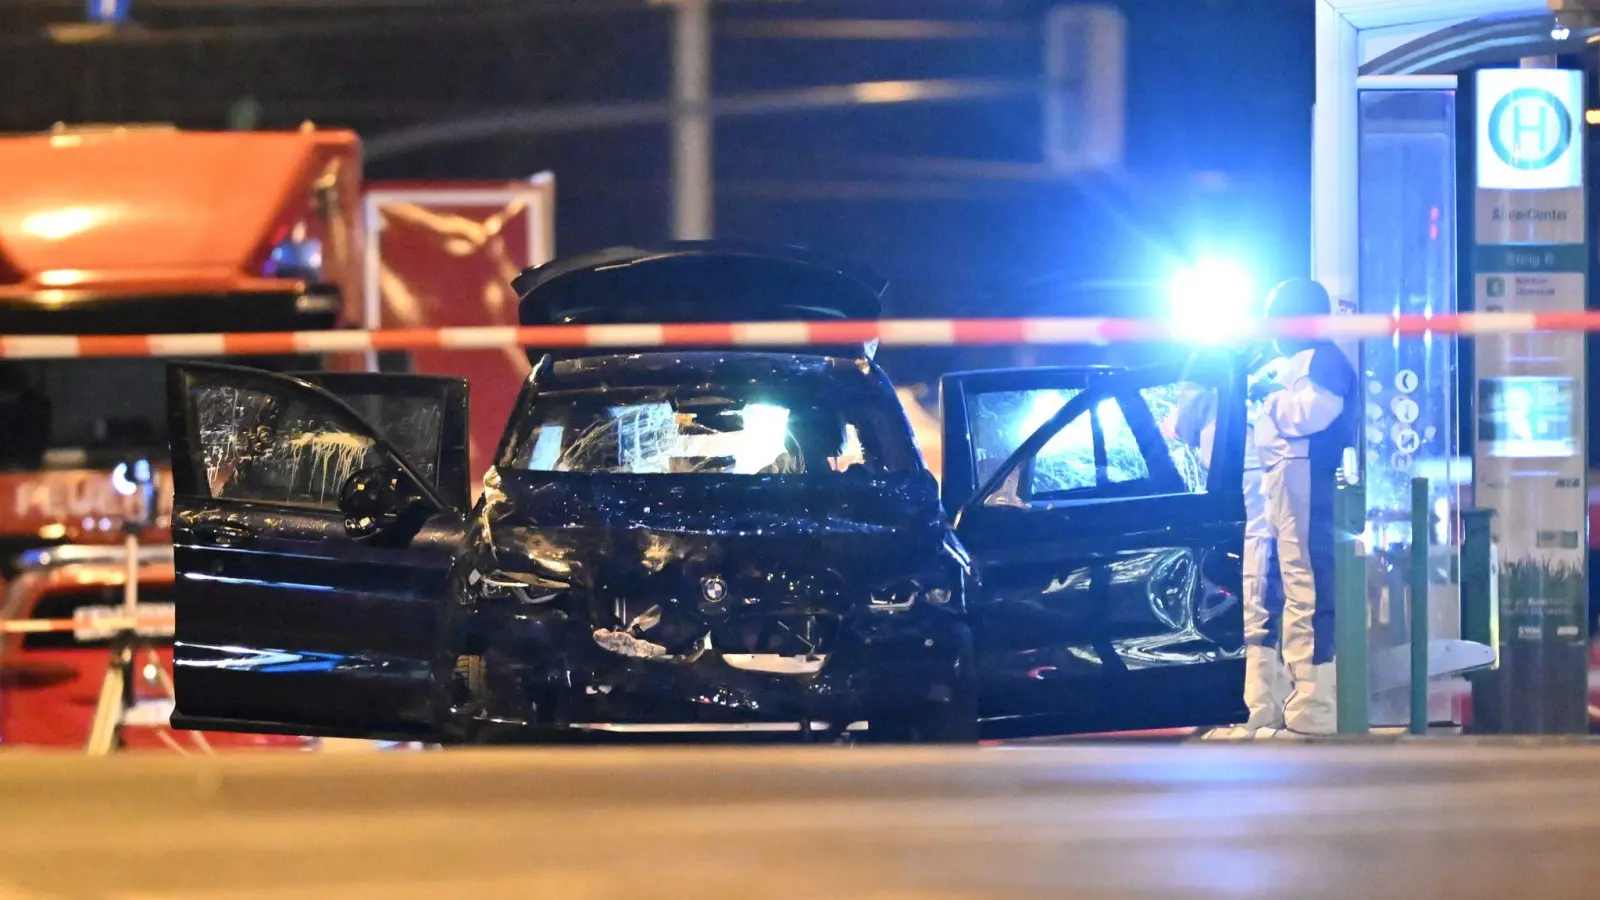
x,y
295,258
126,479
113,12
1213,301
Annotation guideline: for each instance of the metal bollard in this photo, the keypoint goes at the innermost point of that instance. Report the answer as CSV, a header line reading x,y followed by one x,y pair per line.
x,y
1477,609
1421,539
1350,611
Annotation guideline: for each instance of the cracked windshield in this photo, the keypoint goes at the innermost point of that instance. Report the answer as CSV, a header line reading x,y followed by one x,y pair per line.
x,y
660,432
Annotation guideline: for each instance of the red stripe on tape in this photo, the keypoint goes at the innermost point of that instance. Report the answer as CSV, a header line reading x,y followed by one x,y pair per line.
x,y
842,332
1567,321
990,331
267,343
114,345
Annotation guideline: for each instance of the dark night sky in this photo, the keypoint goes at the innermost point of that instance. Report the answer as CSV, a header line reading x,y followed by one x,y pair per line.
x,y
1218,144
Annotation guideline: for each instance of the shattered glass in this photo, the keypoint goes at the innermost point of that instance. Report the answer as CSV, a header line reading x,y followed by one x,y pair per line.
x,y
654,432
411,424
276,448
1002,420
1187,458
1067,463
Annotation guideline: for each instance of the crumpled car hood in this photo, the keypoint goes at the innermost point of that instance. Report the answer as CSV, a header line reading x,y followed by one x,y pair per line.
x,y
784,542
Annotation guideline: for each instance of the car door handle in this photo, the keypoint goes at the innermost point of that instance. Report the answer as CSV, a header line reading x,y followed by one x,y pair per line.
x,y
222,535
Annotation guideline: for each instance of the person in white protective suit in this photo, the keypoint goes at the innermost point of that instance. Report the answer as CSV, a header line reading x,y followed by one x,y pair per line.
x,y
1301,435
1265,681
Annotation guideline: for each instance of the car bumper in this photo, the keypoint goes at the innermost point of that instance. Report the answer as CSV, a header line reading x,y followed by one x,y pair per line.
x,y
881,662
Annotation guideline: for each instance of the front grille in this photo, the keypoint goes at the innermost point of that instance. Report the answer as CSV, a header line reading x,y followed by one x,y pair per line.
x,y
794,634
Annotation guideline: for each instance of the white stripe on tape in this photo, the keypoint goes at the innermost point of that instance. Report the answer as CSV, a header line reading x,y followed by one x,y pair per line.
x,y
39,347
28,626
188,345
909,332
1355,327
1062,331
623,335
337,341
482,337
772,334
1496,323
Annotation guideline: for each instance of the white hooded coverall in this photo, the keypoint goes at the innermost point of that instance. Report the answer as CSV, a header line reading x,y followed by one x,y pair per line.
x,y
1266,686
1301,436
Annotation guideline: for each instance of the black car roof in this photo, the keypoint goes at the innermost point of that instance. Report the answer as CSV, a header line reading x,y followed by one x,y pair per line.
x,y
697,281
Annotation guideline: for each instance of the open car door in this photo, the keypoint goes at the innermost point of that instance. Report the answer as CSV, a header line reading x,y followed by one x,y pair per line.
x,y
1107,546
314,527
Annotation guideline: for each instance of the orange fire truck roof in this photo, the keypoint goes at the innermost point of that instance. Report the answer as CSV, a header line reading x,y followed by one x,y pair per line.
x,y
147,209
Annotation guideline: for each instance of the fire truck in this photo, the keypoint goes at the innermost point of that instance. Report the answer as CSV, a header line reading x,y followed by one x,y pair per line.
x,y
150,229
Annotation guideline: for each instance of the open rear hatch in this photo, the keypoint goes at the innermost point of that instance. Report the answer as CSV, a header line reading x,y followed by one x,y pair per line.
x,y
698,281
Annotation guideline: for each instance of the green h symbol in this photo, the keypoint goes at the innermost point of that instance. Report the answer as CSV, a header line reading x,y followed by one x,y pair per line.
x,y
1520,128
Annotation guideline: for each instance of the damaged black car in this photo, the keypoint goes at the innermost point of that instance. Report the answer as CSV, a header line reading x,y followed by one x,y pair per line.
x,y
703,541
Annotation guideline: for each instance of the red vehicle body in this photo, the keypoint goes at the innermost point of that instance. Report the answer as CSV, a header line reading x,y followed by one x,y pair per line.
x,y
107,230
52,679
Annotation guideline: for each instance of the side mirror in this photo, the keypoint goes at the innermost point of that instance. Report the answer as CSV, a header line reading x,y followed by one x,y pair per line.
x,y
377,500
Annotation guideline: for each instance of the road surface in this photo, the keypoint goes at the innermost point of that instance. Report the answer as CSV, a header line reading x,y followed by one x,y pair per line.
x,y
1288,822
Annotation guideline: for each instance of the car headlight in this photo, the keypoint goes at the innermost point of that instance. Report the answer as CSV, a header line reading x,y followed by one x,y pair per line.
x,y
522,586
904,595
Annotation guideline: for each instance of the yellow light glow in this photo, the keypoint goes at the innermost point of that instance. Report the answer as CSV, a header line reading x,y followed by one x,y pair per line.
x,y
56,224
62,277
887,91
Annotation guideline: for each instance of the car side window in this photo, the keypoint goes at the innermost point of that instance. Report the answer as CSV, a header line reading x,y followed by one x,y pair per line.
x,y
1116,447
411,424
1096,450
1125,462
1002,420
1187,416
277,447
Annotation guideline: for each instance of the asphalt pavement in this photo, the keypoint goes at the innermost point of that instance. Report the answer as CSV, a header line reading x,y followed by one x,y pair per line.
x,y
1438,819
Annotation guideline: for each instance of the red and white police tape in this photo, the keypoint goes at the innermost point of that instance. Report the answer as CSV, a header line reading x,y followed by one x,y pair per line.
x,y
888,332
98,623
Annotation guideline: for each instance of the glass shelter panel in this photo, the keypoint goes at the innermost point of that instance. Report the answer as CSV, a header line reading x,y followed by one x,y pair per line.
x,y
1408,203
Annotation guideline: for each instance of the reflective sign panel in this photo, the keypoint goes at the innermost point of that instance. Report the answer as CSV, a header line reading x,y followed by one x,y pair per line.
x,y
1530,129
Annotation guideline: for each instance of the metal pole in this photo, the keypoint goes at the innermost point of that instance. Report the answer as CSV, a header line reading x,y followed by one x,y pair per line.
x,y
1476,607
1350,609
130,587
692,151
1421,535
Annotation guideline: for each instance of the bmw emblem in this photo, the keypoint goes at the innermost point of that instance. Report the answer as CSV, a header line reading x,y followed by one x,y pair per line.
x,y
713,588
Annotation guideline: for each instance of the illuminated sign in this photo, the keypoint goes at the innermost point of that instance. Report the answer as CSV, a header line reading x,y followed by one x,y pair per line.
x,y
110,11
1529,135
